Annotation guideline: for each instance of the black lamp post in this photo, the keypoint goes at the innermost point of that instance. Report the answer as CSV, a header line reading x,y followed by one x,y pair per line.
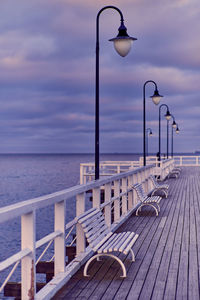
x,y
148,130
167,116
174,126
122,44
156,100
167,139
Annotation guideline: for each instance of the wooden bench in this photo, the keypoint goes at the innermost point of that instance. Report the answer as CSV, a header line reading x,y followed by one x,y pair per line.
x,y
163,188
103,241
146,200
174,173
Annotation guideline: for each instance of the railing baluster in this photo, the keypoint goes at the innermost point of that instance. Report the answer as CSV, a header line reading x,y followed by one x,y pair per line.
x,y
108,207
124,197
130,194
80,237
59,243
28,282
117,201
96,197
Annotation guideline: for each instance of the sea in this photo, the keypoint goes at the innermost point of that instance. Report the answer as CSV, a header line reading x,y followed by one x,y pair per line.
x,y
27,176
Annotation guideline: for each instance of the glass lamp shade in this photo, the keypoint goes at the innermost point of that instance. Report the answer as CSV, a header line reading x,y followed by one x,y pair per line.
x,y
150,133
168,116
122,46
156,97
122,42
174,124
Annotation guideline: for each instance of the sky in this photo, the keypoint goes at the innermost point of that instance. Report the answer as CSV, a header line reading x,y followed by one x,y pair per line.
x,y
47,75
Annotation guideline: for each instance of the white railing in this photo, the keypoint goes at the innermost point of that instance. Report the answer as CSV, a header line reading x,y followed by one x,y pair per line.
x,y
119,200
109,168
190,160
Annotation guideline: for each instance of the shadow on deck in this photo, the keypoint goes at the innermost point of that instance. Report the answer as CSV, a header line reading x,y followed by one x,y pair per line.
x,y
167,252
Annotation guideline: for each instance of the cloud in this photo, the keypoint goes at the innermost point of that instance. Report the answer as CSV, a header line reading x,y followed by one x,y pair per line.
x,y
47,74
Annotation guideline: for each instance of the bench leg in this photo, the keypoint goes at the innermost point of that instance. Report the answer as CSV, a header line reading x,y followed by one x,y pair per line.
x,y
149,204
132,255
110,255
162,190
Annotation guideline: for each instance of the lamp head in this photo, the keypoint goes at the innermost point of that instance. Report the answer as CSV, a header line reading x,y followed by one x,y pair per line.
x,y
156,97
168,115
122,42
177,130
150,133
174,125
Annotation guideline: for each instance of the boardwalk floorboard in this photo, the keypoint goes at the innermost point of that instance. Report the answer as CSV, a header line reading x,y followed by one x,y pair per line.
x,y
167,237
159,286
167,253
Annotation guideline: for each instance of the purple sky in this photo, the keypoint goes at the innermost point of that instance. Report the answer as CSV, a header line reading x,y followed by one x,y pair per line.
x,y
47,69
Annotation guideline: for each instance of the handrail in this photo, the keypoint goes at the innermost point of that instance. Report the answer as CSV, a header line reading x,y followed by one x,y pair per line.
x,y
14,258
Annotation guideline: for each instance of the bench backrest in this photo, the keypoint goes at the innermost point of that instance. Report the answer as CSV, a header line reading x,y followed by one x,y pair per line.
x,y
94,226
140,192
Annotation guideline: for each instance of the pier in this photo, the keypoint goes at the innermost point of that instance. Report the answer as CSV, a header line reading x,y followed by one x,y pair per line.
x,y
166,251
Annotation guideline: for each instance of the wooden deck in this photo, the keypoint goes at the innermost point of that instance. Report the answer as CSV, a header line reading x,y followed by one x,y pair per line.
x,y
167,252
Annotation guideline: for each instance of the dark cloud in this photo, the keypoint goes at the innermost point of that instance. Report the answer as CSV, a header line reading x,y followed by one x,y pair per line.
x,y
47,74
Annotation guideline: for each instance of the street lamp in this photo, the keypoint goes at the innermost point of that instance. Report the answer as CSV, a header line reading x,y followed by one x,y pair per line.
x,y
168,117
148,130
122,43
174,126
177,131
156,100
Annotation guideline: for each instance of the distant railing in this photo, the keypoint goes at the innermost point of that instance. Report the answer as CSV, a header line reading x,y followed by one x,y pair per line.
x,y
190,161
114,195
109,168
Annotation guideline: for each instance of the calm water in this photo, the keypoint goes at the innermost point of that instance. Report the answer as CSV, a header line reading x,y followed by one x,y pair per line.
x,y
24,177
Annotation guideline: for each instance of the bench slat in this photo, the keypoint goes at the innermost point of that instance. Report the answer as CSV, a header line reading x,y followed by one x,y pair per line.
x,y
111,245
126,242
131,244
112,238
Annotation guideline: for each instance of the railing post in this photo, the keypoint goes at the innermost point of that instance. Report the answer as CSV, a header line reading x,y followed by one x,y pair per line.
x,y
124,197
59,243
80,237
108,206
96,197
81,174
135,180
28,277
130,194
118,169
116,202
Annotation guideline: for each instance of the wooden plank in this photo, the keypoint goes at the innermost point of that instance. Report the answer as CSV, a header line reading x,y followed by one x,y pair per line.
x,y
160,261
178,271
193,286
138,283
175,216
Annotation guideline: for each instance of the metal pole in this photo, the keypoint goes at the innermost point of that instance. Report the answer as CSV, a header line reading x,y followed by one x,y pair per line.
x,y
97,90
144,127
172,154
167,139
147,145
144,120
159,136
